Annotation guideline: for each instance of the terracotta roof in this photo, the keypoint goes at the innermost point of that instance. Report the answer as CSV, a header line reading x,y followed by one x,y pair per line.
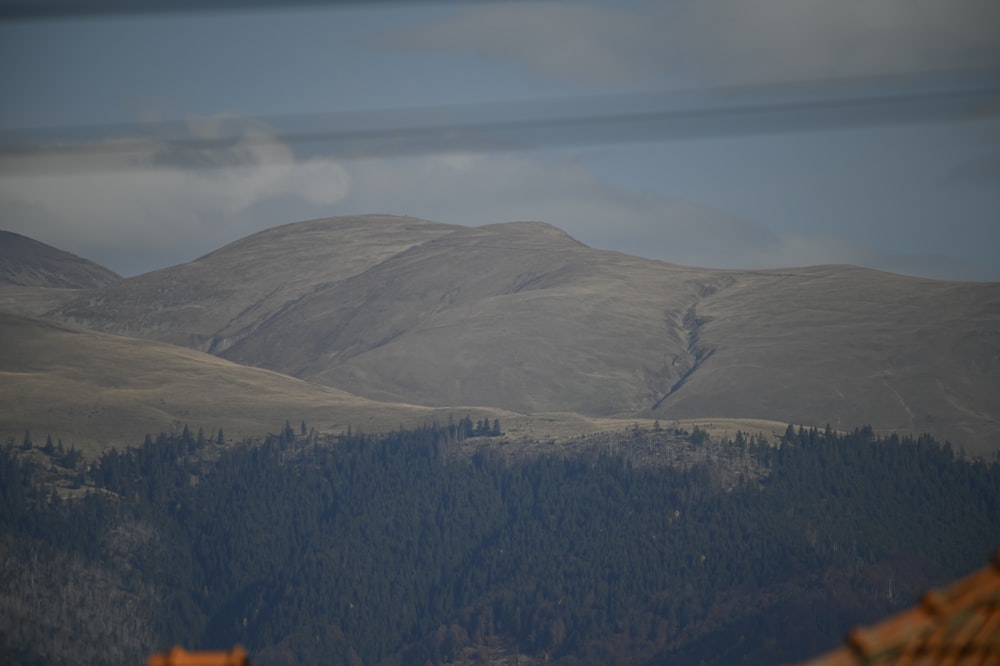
x,y
178,656
959,625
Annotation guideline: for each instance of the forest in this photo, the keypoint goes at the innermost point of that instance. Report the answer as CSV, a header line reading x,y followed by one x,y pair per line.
x,y
447,543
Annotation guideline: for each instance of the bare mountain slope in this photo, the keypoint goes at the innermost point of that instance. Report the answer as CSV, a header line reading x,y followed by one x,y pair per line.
x,y
221,297
95,391
36,278
515,314
849,346
25,262
520,316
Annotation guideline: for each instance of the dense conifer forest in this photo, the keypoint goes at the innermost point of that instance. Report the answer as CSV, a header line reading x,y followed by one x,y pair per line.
x,y
443,544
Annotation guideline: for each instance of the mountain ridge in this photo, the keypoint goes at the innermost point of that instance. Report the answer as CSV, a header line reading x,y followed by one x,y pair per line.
x,y
170,304
26,262
522,317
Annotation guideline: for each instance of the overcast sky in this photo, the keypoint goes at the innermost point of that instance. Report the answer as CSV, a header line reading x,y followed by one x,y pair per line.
x,y
314,109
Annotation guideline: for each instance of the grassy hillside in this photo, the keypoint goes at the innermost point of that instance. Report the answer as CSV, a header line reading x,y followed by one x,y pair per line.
x,y
94,391
521,317
850,346
222,297
516,315
28,263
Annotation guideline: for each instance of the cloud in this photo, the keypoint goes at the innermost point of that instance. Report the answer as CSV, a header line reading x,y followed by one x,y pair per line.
x,y
475,189
173,204
164,204
157,203
695,42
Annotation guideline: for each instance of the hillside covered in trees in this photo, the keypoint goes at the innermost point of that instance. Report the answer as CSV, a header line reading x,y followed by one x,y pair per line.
x,y
443,544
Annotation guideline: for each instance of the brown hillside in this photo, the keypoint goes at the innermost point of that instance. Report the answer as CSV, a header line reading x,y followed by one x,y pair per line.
x,y
518,314
213,301
25,262
94,391
522,317
851,346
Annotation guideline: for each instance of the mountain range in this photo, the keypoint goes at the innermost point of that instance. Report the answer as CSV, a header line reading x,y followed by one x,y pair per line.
x,y
406,314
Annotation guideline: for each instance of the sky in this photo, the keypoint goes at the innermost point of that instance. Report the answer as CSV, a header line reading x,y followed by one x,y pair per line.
x,y
730,134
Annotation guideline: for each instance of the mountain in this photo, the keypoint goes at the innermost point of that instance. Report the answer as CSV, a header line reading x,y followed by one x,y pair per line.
x,y
847,345
28,263
94,390
516,314
224,296
520,316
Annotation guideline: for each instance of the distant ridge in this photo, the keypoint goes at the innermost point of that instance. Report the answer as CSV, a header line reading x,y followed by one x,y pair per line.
x,y
25,262
520,316
223,296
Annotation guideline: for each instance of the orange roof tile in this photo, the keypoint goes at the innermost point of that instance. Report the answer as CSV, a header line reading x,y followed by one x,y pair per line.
x,y
178,656
959,625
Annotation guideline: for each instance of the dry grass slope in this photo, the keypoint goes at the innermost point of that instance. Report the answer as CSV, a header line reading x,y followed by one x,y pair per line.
x,y
521,317
222,297
28,263
851,346
95,391
516,315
